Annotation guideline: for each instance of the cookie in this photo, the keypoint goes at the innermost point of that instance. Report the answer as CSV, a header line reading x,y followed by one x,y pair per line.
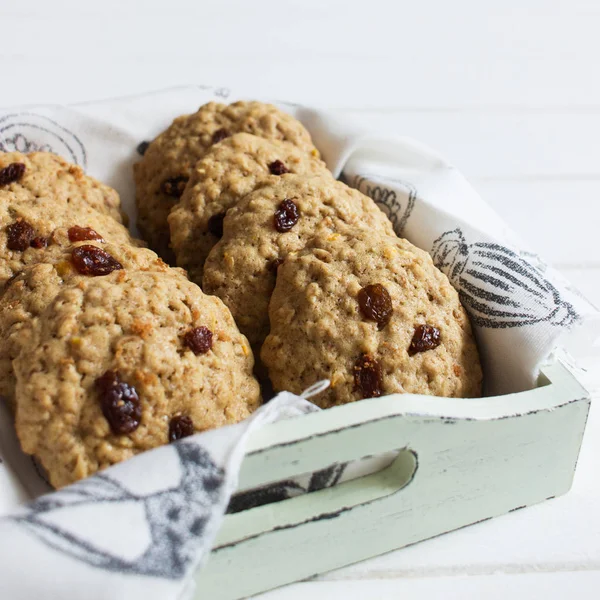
x,y
47,175
267,225
27,295
372,314
119,365
228,171
161,175
31,231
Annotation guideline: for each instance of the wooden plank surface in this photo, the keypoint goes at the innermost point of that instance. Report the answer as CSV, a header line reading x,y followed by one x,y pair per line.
x,y
434,54
549,586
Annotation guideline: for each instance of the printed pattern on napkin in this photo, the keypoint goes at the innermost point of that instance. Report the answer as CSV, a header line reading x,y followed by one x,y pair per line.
x,y
497,287
30,132
397,206
175,517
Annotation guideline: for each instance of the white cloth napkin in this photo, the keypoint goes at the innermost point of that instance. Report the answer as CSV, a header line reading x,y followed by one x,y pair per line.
x,y
141,529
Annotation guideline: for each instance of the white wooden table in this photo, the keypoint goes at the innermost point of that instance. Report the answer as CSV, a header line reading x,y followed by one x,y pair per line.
x,y
509,93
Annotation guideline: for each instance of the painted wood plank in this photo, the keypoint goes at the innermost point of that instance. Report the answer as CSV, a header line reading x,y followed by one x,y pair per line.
x,y
309,81
582,585
380,53
559,220
514,543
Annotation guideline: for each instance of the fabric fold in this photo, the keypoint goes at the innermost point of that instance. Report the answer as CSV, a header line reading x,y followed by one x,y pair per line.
x,y
142,528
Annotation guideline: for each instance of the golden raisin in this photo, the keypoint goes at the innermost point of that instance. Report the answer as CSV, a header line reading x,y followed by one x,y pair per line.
x,y
91,260
80,234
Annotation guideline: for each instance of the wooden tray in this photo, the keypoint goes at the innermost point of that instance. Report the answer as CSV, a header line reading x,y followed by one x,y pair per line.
x,y
460,462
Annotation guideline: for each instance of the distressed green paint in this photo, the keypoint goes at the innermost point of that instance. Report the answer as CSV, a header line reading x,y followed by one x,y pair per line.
x,y
463,461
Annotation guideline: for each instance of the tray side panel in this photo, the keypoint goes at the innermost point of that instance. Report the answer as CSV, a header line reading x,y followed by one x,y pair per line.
x,y
468,471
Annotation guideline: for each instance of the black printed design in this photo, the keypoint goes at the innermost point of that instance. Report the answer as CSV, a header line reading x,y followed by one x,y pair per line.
x,y
19,143
176,517
219,92
284,490
28,132
326,478
397,209
498,288
276,492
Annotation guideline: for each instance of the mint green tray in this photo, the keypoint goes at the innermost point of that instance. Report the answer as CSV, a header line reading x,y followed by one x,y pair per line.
x,y
460,462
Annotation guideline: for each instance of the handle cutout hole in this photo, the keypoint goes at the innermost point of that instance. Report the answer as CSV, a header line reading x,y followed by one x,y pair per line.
x,y
394,469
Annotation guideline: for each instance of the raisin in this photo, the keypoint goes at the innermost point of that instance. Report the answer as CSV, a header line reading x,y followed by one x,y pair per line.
x,y
91,260
38,242
20,233
199,340
215,224
274,264
367,377
180,426
11,173
174,186
142,147
120,403
376,304
219,135
278,168
286,216
80,234
426,337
